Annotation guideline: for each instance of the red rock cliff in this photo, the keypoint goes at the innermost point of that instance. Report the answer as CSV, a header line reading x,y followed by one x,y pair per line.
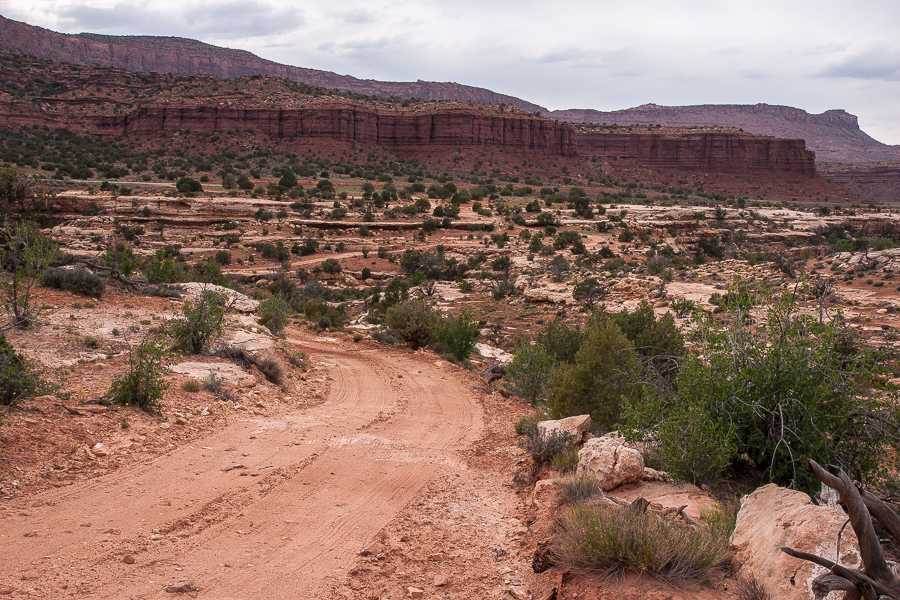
x,y
448,128
715,152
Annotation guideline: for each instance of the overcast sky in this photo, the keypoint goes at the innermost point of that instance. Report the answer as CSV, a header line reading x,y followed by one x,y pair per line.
x,y
813,55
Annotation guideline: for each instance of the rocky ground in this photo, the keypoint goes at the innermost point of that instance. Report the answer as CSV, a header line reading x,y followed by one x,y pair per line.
x,y
370,471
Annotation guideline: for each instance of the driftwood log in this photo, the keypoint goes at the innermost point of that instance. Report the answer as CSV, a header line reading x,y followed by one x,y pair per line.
x,y
876,579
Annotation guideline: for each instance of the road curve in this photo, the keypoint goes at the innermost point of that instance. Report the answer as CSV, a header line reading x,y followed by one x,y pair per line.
x,y
314,487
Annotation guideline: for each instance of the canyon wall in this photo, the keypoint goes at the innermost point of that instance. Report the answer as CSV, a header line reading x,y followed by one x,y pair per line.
x,y
450,129
834,135
439,129
876,181
713,152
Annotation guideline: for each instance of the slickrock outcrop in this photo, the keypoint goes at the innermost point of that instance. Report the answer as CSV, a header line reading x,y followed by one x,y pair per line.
x,y
772,518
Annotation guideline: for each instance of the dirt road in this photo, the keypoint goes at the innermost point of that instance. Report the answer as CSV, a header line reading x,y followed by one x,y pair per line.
x,y
267,508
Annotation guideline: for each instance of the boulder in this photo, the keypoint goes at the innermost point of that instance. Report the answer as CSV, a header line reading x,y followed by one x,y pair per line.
x,y
773,517
575,425
610,462
236,300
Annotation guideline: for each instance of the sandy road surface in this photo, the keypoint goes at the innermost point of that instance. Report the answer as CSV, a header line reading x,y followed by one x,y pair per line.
x,y
265,508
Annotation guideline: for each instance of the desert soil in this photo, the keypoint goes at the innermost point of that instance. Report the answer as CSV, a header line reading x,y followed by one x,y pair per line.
x,y
406,451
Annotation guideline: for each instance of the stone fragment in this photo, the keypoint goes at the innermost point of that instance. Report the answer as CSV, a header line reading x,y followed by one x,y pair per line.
x,y
128,559
576,426
100,450
415,592
610,462
180,421
182,587
441,580
372,549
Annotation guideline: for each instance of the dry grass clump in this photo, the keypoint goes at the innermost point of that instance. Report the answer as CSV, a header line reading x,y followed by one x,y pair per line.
x,y
215,384
270,366
567,461
607,539
748,588
190,385
578,488
527,425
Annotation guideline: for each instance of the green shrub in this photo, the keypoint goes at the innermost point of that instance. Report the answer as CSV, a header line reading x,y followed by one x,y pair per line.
x,y
607,540
201,324
215,384
529,372
603,378
527,425
683,307
383,337
657,340
331,266
413,321
25,254
567,461
223,257
19,376
144,383
457,336
774,386
78,279
188,185
503,287
560,341
274,313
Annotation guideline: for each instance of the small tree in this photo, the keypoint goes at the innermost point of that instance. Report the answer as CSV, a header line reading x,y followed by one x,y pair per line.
x,y
229,182
15,188
590,292
458,335
188,185
530,371
202,322
331,266
25,254
274,313
19,377
413,321
144,383
603,379
776,387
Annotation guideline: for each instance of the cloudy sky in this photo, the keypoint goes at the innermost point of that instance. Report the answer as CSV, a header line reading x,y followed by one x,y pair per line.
x,y
814,55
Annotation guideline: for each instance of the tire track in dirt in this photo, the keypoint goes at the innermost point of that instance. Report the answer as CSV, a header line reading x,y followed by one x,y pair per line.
x,y
329,478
